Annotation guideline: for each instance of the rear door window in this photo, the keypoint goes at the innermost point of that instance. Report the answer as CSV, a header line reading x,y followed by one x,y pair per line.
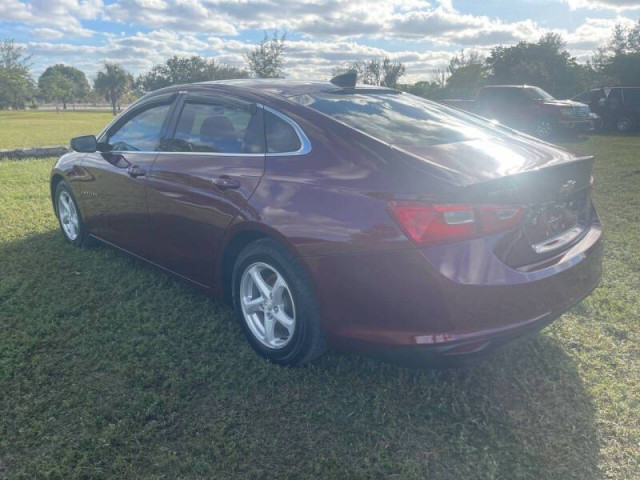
x,y
210,126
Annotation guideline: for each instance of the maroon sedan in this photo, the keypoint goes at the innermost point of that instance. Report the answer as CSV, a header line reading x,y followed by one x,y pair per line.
x,y
334,215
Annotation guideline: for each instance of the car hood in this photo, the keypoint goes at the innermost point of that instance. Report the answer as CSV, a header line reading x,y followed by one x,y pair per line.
x,y
563,103
479,160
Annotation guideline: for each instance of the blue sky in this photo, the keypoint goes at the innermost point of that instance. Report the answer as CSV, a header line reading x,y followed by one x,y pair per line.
x,y
423,34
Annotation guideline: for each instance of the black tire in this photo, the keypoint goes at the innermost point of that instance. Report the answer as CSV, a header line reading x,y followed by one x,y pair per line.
x,y
625,124
82,237
307,341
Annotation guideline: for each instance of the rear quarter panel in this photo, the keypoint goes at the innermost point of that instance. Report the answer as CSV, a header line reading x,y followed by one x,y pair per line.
x,y
333,200
329,207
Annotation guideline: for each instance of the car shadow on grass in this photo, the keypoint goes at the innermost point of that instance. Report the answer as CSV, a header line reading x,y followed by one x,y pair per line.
x,y
112,368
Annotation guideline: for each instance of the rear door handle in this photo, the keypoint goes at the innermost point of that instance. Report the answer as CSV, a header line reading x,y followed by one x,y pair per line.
x,y
224,182
135,171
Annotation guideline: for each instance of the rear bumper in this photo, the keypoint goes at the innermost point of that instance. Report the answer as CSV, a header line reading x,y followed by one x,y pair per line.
x,y
459,304
469,348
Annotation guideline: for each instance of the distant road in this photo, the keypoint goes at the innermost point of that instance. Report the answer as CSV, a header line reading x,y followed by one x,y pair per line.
x,y
81,108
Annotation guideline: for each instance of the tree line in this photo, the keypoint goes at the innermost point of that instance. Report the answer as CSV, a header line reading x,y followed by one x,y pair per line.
x,y
545,63
64,85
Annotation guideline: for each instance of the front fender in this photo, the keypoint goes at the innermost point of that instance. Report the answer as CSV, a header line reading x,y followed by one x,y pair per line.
x,y
69,168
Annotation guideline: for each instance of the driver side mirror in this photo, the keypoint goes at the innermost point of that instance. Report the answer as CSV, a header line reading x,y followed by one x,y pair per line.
x,y
84,144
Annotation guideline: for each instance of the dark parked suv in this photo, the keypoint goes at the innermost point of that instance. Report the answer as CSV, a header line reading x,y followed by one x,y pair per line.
x,y
619,107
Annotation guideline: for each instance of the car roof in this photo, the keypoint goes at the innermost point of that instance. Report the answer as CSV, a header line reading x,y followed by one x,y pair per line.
x,y
276,86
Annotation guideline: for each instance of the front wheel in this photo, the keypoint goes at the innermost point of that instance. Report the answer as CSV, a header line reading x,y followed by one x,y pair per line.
x,y
69,216
275,304
545,128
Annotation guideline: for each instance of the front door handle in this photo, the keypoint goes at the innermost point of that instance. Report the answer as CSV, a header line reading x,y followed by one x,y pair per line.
x,y
224,182
135,171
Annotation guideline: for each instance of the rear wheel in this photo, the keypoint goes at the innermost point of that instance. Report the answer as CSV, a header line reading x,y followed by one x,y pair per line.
x,y
625,124
69,216
275,304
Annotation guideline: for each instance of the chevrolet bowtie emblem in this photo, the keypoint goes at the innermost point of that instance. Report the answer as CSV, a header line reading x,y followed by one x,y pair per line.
x,y
568,188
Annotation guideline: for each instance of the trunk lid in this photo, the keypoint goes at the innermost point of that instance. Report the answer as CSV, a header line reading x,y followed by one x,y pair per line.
x,y
493,157
558,209
551,183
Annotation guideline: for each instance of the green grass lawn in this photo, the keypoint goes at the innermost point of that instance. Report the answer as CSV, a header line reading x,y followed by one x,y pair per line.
x,y
110,368
39,129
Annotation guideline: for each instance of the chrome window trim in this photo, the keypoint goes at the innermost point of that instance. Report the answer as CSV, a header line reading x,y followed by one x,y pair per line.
x,y
207,154
121,152
305,144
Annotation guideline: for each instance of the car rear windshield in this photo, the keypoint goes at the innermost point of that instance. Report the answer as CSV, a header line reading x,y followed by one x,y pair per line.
x,y
399,119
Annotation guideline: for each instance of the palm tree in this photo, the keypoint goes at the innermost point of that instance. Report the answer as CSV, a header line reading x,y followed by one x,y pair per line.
x,y
113,82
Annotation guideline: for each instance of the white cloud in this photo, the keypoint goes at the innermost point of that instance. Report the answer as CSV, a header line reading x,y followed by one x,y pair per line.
x,y
63,15
422,34
444,24
593,33
47,33
182,15
136,52
14,10
605,4
304,58
313,59
413,19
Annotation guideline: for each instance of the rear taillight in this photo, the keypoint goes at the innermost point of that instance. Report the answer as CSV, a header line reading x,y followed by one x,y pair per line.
x,y
428,224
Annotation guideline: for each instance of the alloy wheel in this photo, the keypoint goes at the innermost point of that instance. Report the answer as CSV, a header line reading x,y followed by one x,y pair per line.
x,y
68,215
267,305
544,129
